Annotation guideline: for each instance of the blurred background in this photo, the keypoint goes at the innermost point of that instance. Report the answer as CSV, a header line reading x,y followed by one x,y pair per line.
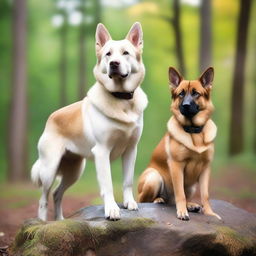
x,y
46,61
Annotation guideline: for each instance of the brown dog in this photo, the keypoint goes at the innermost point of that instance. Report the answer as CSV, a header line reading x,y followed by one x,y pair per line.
x,y
183,156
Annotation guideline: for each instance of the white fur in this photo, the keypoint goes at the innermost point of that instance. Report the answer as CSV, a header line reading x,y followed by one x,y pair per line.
x,y
119,110
111,128
209,131
129,64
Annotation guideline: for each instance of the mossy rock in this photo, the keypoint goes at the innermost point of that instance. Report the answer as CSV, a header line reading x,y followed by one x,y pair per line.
x,y
153,230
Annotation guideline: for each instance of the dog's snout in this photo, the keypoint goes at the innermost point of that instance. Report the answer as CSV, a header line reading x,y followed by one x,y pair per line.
x,y
114,64
186,104
187,101
115,69
188,107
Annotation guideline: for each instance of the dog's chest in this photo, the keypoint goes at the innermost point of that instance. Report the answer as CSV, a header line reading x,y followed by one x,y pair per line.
x,y
196,152
119,141
194,167
195,162
115,135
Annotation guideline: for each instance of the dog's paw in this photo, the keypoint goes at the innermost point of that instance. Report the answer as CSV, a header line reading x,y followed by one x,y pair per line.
x,y
210,213
131,205
193,207
112,211
183,215
59,217
159,200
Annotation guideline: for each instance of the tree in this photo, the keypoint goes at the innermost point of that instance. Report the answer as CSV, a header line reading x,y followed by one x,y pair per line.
x,y
178,36
174,22
91,13
254,113
17,133
82,81
237,100
63,60
205,35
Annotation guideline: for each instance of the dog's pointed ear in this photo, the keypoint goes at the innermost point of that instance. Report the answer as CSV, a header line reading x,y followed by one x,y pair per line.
x,y
135,35
102,36
206,78
174,77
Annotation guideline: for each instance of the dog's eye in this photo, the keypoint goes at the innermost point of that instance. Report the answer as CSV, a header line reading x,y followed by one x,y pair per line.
x,y
195,93
125,53
182,94
108,53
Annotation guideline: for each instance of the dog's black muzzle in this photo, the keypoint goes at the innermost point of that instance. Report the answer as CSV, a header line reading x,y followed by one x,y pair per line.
x,y
188,107
114,70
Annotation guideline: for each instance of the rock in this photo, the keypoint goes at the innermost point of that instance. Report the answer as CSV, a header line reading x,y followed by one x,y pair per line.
x,y
152,230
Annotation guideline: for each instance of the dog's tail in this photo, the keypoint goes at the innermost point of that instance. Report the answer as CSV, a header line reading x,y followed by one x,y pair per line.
x,y
35,174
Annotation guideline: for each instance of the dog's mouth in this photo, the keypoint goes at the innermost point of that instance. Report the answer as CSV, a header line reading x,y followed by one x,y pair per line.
x,y
114,74
190,111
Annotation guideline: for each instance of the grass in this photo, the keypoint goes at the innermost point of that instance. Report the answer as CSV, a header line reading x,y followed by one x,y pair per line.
x,y
8,191
17,204
88,185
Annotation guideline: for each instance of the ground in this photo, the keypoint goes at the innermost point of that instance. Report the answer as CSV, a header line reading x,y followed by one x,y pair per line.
x,y
14,215
233,184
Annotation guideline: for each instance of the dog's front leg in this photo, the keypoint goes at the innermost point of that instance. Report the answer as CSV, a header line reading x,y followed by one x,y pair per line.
x,y
177,174
128,161
102,162
204,191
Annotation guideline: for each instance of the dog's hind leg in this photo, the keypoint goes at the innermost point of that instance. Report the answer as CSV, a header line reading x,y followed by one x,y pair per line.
x,y
159,200
193,207
70,169
150,186
46,167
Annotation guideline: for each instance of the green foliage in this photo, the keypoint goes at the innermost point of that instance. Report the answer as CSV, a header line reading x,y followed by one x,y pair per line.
x,y
159,52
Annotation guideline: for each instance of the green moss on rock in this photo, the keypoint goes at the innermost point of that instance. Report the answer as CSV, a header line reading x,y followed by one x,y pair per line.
x,y
134,235
129,224
69,235
233,240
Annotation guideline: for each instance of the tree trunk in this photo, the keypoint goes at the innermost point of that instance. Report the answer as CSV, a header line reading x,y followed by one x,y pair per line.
x,y
205,35
178,36
82,81
237,104
254,113
63,62
82,64
17,133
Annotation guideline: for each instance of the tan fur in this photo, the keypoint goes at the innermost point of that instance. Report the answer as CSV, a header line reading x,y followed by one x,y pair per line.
x,y
182,159
67,121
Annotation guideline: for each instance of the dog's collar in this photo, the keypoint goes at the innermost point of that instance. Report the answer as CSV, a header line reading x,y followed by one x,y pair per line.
x,y
192,129
123,95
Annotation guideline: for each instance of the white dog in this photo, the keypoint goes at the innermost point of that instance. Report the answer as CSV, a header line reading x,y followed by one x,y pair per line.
x,y
103,126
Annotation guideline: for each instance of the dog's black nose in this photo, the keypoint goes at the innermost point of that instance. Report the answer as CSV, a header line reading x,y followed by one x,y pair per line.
x,y
186,105
114,64
189,109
